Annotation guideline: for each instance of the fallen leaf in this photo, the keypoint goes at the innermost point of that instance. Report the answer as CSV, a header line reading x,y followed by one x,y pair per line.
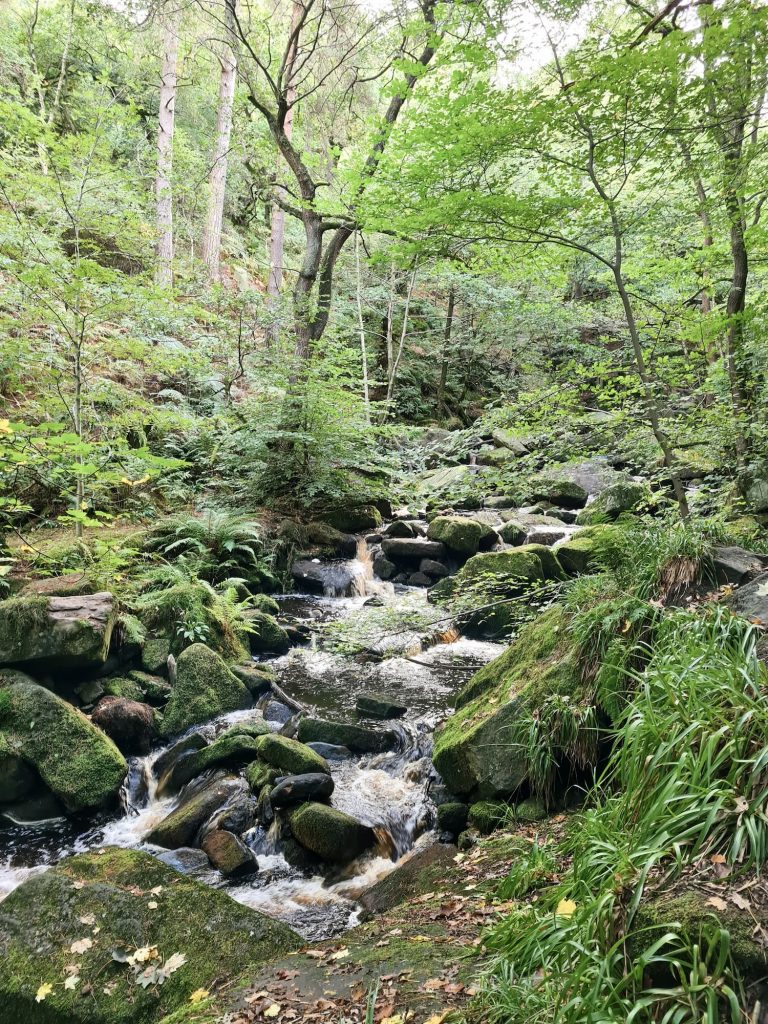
x,y
717,858
437,1018
273,1010
316,954
565,908
156,892
340,954
81,946
741,805
72,982
43,991
87,919
174,962
739,901
716,902
152,904
199,994
398,1018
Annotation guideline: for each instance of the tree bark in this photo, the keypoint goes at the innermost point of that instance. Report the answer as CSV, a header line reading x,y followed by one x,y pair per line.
x,y
165,124
217,180
361,330
441,409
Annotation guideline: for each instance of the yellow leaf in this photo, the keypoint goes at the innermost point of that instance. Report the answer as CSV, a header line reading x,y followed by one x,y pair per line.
x,y
400,1018
199,995
565,908
273,1010
43,991
437,1018
5,427
152,904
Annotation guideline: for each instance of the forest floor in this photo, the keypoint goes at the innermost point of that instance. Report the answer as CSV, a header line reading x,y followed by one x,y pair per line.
x,y
421,957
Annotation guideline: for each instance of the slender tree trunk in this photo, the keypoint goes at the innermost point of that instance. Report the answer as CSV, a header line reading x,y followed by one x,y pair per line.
x,y
277,226
165,123
403,334
361,330
217,180
441,409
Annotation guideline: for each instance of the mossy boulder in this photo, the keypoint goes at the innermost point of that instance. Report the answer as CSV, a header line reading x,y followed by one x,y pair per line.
x,y
156,689
121,686
480,750
43,918
356,738
257,678
354,519
229,854
199,802
329,833
259,775
613,502
266,633
265,603
154,655
586,549
233,749
488,815
75,760
56,632
291,756
559,491
462,535
419,872
452,817
530,810
204,688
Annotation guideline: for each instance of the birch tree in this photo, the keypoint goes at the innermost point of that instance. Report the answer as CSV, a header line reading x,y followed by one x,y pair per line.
x,y
165,126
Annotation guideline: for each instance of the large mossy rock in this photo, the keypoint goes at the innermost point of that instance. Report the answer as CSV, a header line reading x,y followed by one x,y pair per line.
x,y
134,901
587,549
235,748
561,492
462,535
56,632
330,834
75,760
198,803
357,738
480,751
204,688
354,519
290,756
267,633
614,500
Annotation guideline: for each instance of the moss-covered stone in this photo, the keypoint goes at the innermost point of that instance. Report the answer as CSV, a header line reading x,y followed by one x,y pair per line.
x,y
233,749
480,750
356,738
614,500
42,918
75,760
291,756
259,774
154,655
198,803
558,491
530,810
204,688
156,689
354,519
229,854
265,603
120,686
417,873
257,678
329,833
586,549
56,632
452,817
488,815
266,633
459,534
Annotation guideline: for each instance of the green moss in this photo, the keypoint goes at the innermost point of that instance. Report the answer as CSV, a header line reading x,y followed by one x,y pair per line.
x,y
488,815
613,501
267,633
583,552
77,761
39,921
156,689
330,834
22,620
204,688
480,748
154,654
458,533
30,633
259,774
119,686
530,810
293,757
356,738
233,749
564,493
452,817
355,520
265,603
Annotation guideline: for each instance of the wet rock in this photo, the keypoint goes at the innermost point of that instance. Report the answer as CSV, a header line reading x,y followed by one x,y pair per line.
x,y
400,528
374,602
75,759
268,634
735,565
40,920
565,515
39,809
460,534
204,688
613,501
356,519
155,689
295,789
336,578
130,724
188,744
256,679
452,817
419,579
238,815
17,779
383,568
329,833
356,738
331,751
375,705
412,549
229,854
416,873
432,569
290,756
186,860
233,749
260,775
372,539
198,803
56,632
275,711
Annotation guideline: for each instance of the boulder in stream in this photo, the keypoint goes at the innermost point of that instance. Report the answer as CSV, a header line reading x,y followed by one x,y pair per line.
x,y
56,632
376,705
198,804
75,759
290,756
204,688
233,749
267,633
134,901
613,501
229,854
412,549
131,724
417,873
461,534
329,833
296,789
354,519
356,738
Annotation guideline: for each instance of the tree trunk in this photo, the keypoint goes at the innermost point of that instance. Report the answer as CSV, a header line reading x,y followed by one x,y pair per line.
x,y
217,180
165,122
361,330
441,409
403,334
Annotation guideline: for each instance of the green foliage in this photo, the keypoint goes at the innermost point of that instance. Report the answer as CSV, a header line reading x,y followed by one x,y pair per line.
x,y
218,543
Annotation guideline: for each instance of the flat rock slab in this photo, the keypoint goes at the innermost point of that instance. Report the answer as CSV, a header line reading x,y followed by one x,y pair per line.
x,y
56,632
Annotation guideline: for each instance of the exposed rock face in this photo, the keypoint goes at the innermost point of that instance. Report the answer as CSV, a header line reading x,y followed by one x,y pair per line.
x,y
42,918
204,688
330,834
613,501
129,723
75,760
751,600
56,632
735,565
